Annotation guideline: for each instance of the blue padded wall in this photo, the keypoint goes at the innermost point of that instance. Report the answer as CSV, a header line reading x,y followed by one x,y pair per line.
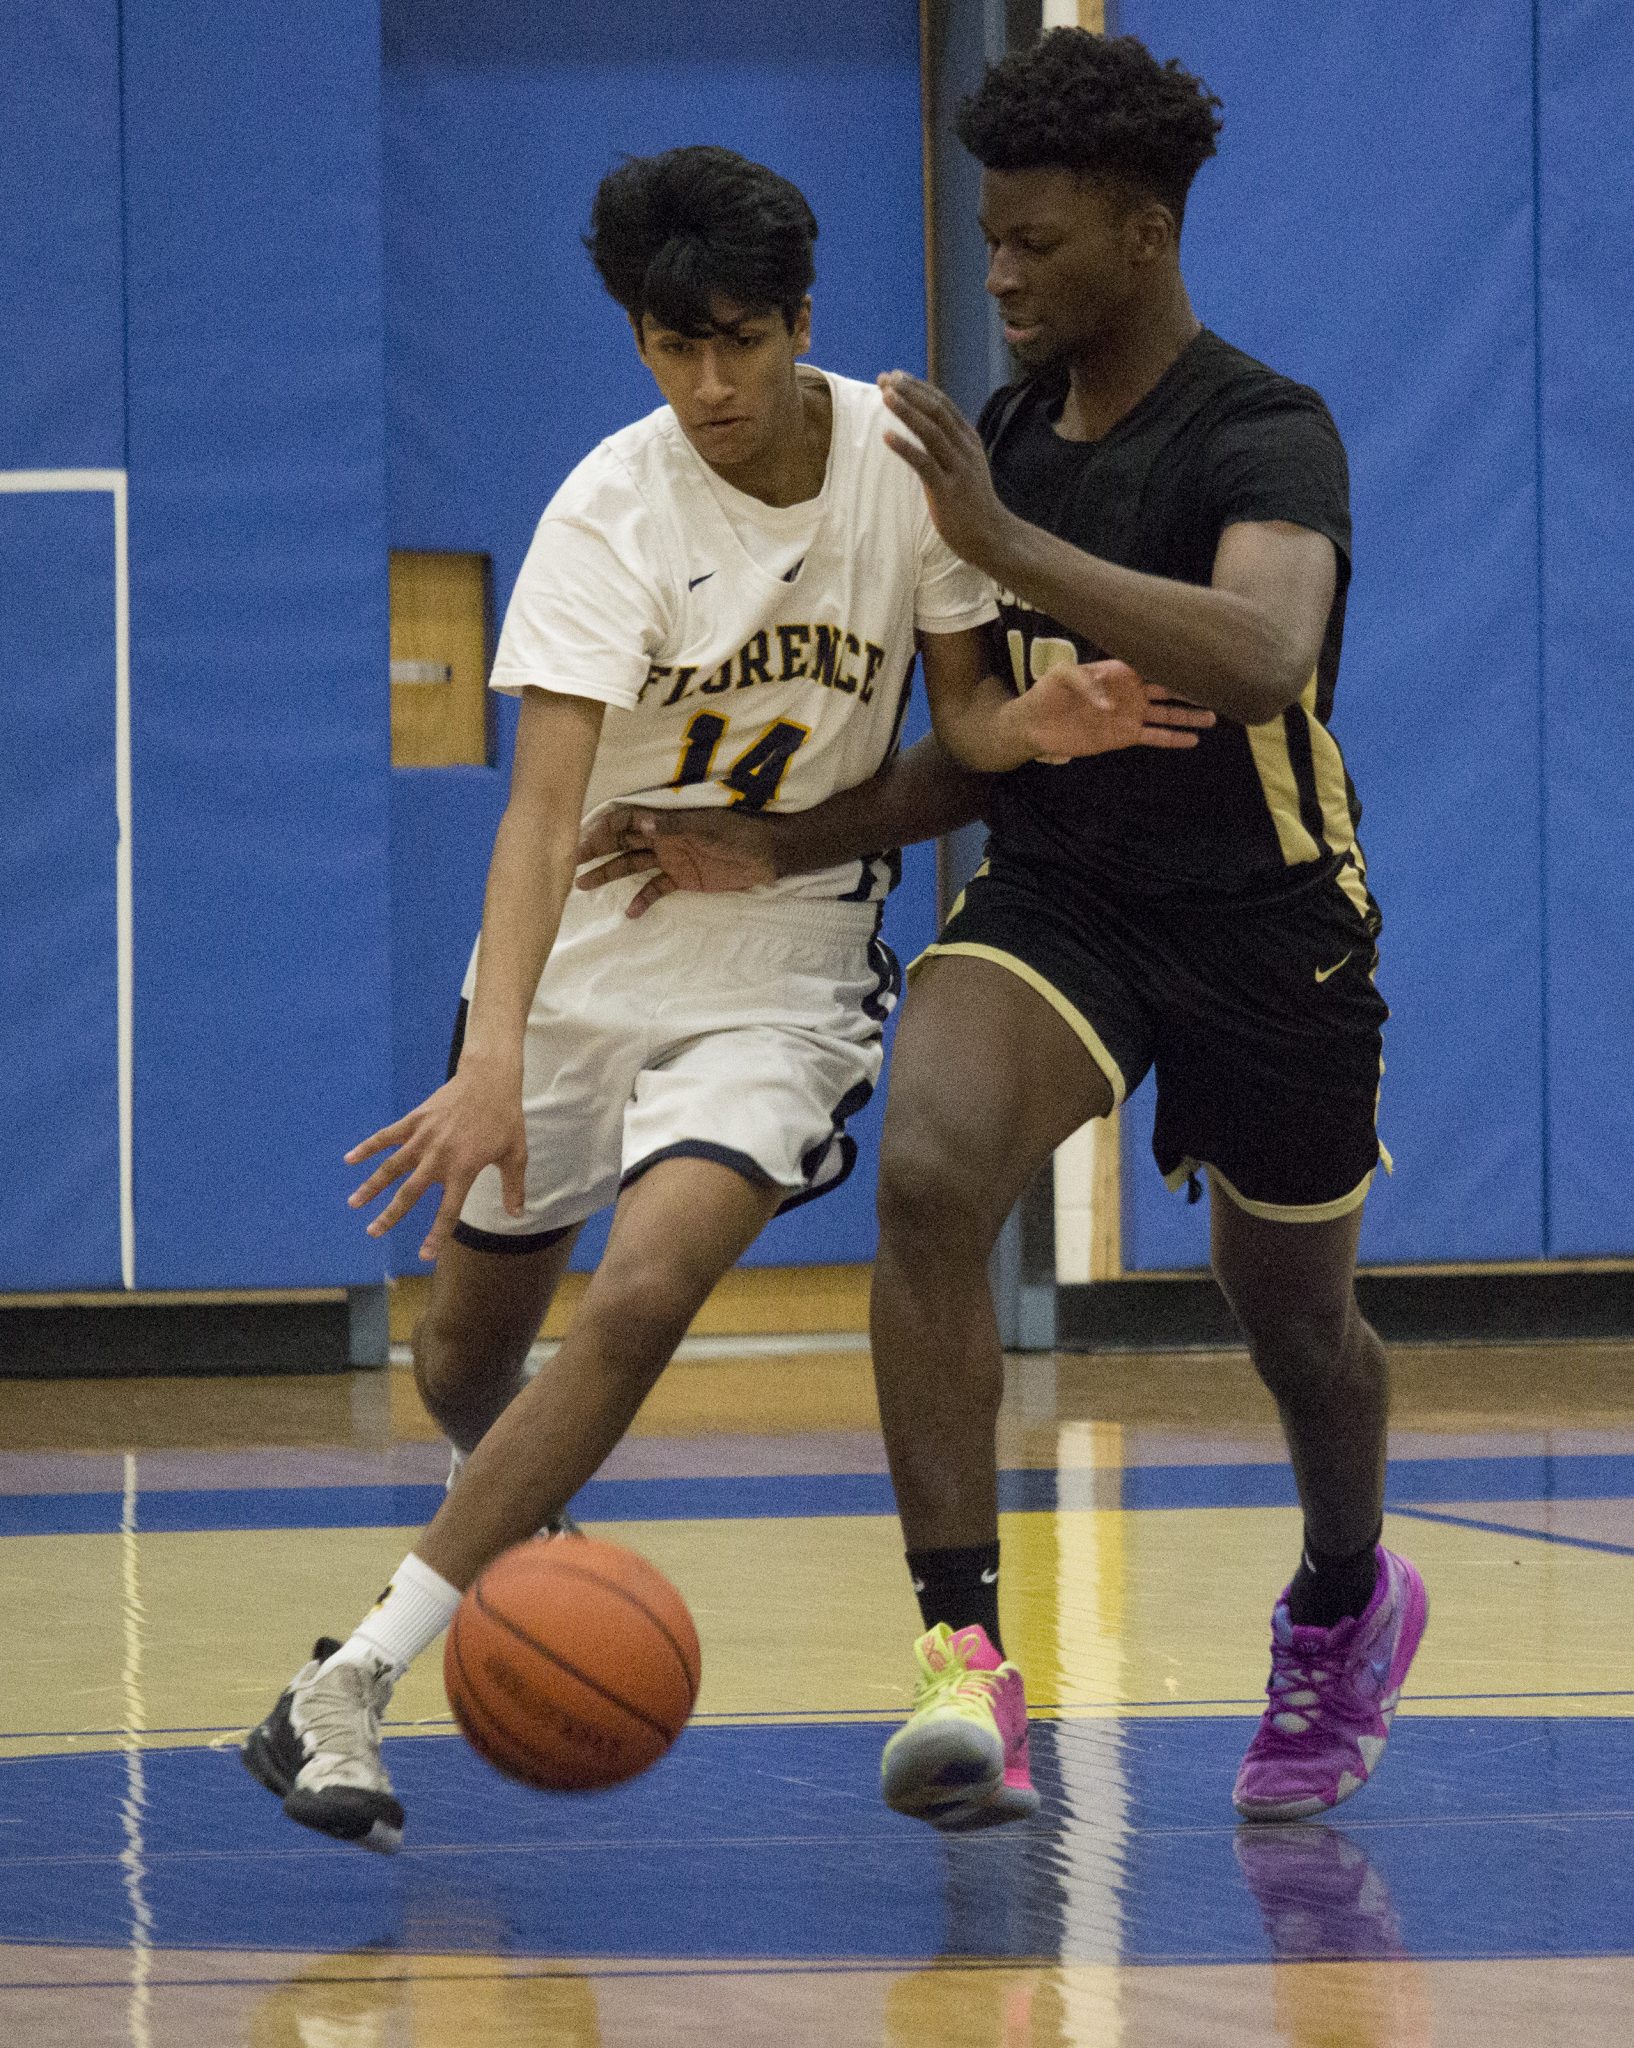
x,y
259,634
62,394
1369,231
506,362
62,407
1586,278
59,1089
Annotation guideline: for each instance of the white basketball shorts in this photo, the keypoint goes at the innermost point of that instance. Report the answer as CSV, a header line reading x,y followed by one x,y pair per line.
x,y
737,1028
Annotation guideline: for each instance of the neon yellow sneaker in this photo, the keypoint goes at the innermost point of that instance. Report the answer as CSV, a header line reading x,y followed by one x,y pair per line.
x,y
960,1760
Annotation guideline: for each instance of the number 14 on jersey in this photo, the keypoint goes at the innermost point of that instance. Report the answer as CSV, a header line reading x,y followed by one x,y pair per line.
x,y
757,773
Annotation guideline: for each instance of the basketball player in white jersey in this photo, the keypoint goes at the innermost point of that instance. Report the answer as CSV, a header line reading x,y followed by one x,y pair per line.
x,y
720,606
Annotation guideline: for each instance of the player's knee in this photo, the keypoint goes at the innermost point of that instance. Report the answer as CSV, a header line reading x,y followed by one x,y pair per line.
x,y
1301,1354
456,1361
929,1192
638,1313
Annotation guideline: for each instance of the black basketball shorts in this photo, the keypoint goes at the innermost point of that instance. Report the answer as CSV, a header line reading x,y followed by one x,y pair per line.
x,y
1259,1017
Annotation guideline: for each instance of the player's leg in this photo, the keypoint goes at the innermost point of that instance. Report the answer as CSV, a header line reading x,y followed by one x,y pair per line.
x,y
495,1279
1291,1286
1344,1632
484,1313
675,1232
988,1078
1275,1086
709,1124
728,1125
319,1748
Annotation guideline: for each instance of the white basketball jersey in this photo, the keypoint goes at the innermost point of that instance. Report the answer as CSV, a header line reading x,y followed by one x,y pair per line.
x,y
726,682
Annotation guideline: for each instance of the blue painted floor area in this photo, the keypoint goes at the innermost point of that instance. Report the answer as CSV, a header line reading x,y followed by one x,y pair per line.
x,y
1481,1838
1412,1482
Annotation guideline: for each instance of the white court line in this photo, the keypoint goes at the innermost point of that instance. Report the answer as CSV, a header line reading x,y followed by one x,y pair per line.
x,y
113,481
133,1808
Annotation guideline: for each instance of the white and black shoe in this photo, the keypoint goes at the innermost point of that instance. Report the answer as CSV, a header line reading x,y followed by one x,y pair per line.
x,y
319,1750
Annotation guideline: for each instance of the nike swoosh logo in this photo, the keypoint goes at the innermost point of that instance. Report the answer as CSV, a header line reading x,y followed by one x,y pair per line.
x,y
990,1578
1322,973
704,578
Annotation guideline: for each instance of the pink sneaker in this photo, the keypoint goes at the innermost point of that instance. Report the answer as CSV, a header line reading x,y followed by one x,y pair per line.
x,y
1332,1694
960,1760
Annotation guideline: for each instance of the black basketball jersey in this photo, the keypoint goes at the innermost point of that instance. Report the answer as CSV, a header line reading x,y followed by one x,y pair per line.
x,y
1218,440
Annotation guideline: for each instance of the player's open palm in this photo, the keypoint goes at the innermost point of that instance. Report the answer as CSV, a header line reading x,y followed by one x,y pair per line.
x,y
1096,707
703,850
472,1121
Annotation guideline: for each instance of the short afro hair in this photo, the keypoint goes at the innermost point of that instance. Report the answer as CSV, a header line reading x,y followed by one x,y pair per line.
x,y
1102,106
670,234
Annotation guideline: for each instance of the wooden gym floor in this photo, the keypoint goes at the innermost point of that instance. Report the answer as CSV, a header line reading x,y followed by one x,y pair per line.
x,y
171,1548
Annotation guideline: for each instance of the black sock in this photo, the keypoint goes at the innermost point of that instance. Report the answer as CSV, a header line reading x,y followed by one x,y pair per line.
x,y
1328,1589
959,1587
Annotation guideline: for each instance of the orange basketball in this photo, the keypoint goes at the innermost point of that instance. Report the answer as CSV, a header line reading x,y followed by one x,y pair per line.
x,y
571,1664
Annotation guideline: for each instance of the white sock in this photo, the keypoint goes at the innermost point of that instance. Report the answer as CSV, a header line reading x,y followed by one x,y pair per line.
x,y
407,1618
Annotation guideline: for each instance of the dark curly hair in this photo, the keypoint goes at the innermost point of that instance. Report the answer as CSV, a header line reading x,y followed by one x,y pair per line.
x,y
1100,105
669,234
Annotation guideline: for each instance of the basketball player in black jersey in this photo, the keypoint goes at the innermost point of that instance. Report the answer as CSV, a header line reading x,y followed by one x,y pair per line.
x,y
1145,492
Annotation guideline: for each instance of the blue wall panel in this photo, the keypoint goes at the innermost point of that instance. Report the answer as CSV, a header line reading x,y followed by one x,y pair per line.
x,y
259,634
1586,272
1368,228
62,407
506,362
59,1093
62,402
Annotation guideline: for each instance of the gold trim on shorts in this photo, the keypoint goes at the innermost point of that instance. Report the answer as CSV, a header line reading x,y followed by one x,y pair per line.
x,y
1086,1033
1280,1212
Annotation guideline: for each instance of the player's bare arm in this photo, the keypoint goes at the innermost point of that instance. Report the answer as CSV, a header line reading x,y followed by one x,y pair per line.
x,y
918,794
1245,644
1075,709
475,1119
704,850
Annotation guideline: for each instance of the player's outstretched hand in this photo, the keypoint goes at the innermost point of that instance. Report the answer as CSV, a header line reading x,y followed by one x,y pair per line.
x,y
1095,707
708,850
471,1122
941,446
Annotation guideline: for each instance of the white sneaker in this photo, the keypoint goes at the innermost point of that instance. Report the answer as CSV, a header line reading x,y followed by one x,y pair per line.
x,y
319,1750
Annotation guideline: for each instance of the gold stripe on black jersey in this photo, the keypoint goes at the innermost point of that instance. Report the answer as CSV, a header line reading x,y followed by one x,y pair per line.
x,y
1352,878
1302,774
1332,784
1268,743
1298,724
